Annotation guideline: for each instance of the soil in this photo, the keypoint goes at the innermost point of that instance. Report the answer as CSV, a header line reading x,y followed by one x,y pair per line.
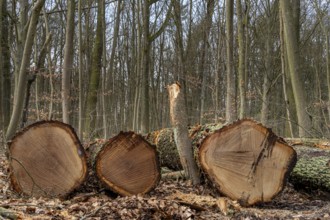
x,y
171,199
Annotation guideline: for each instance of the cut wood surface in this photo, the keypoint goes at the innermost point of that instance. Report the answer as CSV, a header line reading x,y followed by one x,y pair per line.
x,y
247,162
128,164
47,159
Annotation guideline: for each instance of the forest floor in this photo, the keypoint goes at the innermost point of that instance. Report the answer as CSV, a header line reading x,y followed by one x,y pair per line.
x,y
171,199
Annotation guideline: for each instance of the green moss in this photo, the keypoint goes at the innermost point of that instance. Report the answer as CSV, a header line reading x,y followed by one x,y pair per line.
x,y
312,172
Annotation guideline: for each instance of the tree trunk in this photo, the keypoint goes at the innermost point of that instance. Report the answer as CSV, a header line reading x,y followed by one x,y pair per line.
x,y
68,61
242,160
80,70
22,80
241,58
47,159
5,66
127,164
181,137
95,75
230,98
312,170
292,48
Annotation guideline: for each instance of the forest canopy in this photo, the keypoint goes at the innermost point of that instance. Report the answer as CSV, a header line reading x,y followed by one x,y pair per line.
x,y
103,66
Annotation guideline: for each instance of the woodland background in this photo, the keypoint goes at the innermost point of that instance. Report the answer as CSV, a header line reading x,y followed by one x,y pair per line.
x,y
103,66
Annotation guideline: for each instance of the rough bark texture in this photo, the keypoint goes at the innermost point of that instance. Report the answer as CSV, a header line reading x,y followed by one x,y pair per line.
x,y
47,159
312,170
68,61
164,141
247,161
128,165
181,137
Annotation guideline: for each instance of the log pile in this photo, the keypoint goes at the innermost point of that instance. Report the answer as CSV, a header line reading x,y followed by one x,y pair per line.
x,y
245,160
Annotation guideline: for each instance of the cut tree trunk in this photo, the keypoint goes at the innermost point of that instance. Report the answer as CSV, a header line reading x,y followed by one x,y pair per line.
x,y
128,165
312,170
168,153
247,162
47,159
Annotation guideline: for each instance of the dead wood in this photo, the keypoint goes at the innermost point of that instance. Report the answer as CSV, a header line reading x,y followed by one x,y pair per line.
x,y
47,159
128,165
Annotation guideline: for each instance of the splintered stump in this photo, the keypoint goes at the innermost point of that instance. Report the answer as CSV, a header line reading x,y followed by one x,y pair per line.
x,y
47,159
128,165
247,162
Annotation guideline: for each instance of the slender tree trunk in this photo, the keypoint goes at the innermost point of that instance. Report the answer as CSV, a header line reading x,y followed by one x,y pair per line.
x,y
104,71
5,86
207,23
145,68
266,84
283,60
68,62
22,80
95,74
111,72
230,98
80,69
292,47
241,58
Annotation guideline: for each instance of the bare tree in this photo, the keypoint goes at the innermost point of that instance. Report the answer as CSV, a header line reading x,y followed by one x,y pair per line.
x,y
22,77
68,61
230,99
292,48
95,74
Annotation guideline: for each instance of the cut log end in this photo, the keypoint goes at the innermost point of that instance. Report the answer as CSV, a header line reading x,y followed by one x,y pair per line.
x,y
247,161
47,159
128,165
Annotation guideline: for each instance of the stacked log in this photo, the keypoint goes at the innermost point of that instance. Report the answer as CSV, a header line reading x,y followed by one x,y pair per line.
x,y
47,159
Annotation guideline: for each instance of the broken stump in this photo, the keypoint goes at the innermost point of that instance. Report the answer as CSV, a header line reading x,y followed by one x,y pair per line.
x,y
127,164
47,159
247,161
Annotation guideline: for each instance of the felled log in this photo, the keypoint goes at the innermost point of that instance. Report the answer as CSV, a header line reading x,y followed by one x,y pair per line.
x,y
247,161
47,159
128,164
165,143
312,170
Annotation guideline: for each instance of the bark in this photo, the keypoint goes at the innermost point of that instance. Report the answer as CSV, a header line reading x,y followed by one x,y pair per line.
x,y
5,86
230,98
20,89
47,159
95,75
179,122
292,48
312,170
241,58
68,61
127,164
80,69
283,72
145,68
